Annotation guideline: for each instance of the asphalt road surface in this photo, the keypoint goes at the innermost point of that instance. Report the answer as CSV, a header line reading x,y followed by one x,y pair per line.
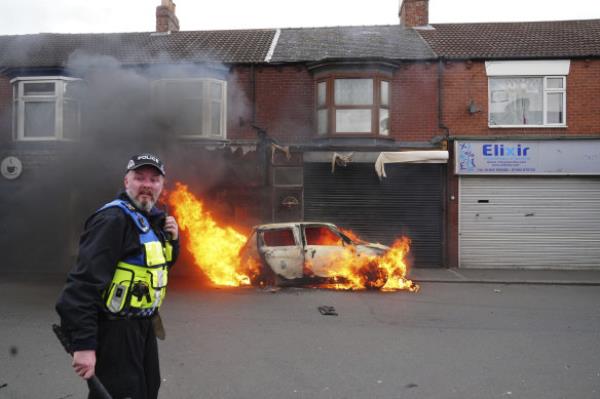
x,y
446,341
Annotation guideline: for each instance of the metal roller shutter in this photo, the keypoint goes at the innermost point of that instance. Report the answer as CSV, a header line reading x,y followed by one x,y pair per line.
x,y
408,202
529,222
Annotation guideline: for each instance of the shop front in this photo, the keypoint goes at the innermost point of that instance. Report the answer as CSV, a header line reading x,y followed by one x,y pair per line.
x,y
531,204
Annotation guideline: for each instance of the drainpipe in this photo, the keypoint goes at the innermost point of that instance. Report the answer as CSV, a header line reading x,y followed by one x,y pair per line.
x,y
440,79
441,125
253,80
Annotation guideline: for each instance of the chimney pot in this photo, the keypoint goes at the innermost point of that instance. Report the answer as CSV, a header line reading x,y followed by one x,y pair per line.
x,y
414,13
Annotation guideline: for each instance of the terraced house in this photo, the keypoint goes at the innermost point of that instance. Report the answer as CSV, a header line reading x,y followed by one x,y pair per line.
x,y
481,142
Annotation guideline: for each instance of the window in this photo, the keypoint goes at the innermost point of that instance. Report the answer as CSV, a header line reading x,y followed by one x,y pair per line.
x,y
194,108
353,106
46,108
527,101
287,176
527,93
279,238
321,235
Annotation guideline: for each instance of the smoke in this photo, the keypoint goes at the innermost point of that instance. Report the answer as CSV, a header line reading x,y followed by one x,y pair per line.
x,y
123,112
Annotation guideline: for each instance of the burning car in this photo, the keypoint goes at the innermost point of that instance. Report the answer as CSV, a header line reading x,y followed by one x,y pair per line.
x,y
299,253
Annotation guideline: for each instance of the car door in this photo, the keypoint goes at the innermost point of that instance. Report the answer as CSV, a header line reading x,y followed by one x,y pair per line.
x,y
282,250
325,250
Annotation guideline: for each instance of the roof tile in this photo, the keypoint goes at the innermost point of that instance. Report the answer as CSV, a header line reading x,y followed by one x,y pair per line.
x,y
551,39
51,50
314,44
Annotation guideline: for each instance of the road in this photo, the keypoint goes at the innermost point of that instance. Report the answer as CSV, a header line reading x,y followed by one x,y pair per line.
x,y
446,341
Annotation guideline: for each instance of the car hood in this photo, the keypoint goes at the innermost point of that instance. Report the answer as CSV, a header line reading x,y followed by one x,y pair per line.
x,y
376,247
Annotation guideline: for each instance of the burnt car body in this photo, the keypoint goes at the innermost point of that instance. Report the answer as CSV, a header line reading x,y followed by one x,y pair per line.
x,y
299,253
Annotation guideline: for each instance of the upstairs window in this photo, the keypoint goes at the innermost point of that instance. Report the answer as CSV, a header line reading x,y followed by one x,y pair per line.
x,y
527,93
353,106
193,108
46,108
527,101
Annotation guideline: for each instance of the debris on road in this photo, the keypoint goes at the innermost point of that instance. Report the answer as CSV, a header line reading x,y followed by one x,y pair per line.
x,y
327,311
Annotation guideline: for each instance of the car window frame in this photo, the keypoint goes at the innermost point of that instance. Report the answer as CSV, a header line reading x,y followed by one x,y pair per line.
x,y
263,244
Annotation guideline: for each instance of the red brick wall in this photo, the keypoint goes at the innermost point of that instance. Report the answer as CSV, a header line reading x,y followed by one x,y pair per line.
x,y
239,104
285,103
5,109
583,107
463,82
414,107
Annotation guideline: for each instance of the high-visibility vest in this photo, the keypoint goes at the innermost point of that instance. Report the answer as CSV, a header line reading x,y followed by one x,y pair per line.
x,y
139,284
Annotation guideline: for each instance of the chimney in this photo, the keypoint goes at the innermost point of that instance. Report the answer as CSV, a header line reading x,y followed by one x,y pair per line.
x,y
414,13
166,21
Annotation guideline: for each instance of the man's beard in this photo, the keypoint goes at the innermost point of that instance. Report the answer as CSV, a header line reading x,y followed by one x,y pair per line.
x,y
145,206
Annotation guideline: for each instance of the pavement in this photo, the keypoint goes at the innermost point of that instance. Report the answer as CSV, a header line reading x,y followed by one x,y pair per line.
x,y
506,276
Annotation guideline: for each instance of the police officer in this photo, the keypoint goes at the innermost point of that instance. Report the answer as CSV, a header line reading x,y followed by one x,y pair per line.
x,y
112,295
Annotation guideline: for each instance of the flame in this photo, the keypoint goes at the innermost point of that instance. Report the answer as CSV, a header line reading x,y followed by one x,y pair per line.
x,y
387,272
216,248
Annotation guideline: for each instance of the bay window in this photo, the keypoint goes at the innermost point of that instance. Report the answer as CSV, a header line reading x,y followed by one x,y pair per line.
x,y
352,106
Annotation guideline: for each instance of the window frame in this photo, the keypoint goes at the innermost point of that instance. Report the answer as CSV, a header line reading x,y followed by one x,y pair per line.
x,y
331,107
545,92
263,241
59,99
159,86
340,241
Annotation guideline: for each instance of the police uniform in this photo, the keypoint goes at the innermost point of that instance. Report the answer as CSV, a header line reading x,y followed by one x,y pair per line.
x,y
113,292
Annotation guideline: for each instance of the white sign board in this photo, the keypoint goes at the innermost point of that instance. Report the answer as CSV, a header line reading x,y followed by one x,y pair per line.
x,y
544,157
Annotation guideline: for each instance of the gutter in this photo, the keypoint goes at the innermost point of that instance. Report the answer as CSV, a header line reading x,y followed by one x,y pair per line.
x,y
520,58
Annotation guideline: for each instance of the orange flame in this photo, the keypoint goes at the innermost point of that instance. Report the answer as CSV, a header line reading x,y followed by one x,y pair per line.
x,y
386,272
216,248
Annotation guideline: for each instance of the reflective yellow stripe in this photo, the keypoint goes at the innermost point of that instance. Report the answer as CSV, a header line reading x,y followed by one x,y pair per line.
x,y
168,251
154,253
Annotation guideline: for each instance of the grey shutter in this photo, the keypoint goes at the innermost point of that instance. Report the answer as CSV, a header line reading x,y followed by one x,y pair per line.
x,y
407,202
529,222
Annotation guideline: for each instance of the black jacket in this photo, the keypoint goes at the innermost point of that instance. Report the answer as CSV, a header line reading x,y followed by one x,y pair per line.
x,y
109,236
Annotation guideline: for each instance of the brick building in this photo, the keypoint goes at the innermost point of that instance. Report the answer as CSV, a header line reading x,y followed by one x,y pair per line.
x,y
287,124
508,87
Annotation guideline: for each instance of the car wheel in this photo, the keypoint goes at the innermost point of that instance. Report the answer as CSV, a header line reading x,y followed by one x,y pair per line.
x,y
265,277
374,277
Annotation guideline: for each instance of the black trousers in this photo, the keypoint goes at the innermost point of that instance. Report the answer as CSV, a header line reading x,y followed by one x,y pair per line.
x,y
127,359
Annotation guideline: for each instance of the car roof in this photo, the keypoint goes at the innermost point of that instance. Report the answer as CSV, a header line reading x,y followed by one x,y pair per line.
x,y
269,226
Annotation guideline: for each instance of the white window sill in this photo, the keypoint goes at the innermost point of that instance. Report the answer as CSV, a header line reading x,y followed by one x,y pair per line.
x,y
527,126
202,138
38,139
